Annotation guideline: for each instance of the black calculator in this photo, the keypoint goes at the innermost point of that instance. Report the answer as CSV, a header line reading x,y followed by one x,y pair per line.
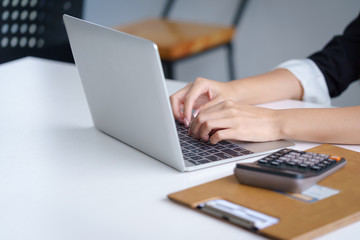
x,y
288,170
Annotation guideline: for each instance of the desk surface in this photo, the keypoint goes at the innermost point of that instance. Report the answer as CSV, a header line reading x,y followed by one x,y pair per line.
x,y
60,178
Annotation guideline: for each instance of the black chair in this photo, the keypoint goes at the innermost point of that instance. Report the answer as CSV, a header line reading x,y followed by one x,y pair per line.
x,y
35,28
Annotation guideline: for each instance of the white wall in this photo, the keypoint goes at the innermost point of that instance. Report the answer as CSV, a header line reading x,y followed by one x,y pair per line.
x,y
272,31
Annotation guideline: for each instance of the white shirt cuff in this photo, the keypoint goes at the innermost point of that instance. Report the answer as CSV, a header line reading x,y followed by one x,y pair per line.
x,y
311,79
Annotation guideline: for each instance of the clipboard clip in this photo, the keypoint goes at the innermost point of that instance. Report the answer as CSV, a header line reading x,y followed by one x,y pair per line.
x,y
239,215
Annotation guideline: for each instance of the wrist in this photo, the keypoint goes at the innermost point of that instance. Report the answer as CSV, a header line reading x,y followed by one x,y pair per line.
x,y
285,123
239,90
279,127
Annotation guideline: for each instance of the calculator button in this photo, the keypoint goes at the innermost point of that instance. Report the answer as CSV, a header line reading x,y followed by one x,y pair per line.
x,y
326,162
283,158
336,158
275,163
316,168
321,165
290,164
331,161
303,165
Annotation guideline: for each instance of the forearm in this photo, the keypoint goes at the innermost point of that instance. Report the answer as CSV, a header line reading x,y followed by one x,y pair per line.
x,y
272,86
330,125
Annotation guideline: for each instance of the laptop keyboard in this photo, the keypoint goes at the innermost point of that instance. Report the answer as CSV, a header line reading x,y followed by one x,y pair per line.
x,y
200,152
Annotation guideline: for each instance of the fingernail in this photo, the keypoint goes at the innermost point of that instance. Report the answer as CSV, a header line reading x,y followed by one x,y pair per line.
x,y
187,123
196,113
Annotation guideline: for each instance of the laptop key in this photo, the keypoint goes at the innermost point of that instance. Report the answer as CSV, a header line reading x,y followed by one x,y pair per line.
x,y
224,142
190,154
232,153
219,147
213,158
239,149
200,152
194,162
205,147
213,151
203,154
197,150
223,155
246,152
203,161
190,147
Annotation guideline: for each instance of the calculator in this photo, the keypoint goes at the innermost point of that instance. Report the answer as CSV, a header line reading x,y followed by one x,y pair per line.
x,y
288,170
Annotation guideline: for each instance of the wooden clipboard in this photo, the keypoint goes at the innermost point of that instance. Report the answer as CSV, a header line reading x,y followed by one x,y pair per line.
x,y
297,219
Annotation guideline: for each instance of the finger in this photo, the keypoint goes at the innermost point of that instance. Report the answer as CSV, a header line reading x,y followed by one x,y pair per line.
x,y
224,134
203,116
222,110
198,88
205,121
177,100
212,126
219,105
210,104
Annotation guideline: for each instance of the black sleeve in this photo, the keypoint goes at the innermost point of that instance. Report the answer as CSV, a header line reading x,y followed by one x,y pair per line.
x,y
339,61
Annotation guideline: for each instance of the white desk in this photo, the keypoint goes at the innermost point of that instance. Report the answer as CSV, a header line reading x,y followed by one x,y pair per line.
x,y
62,179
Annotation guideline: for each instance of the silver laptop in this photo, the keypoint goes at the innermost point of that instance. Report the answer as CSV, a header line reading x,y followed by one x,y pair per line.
x,y
126,91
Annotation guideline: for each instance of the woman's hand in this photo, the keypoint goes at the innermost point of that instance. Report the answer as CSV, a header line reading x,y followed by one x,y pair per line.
x,y
236,121
203,93
199,95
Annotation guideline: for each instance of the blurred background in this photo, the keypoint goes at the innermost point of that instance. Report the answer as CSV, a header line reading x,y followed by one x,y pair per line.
x,y
269,32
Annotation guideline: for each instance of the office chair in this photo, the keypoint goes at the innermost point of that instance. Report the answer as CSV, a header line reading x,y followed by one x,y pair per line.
x,y
35,28
179,40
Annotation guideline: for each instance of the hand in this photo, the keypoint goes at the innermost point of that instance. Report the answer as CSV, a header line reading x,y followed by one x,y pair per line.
x,y
198,95
232,120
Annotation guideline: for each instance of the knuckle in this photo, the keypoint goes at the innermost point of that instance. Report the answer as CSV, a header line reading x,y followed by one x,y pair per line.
x,y
233,111
201,81
200,119
216,137
189,84
172,98
188,98
207,125
228,103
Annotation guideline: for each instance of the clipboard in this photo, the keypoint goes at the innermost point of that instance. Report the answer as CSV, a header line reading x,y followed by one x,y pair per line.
x,y
296,219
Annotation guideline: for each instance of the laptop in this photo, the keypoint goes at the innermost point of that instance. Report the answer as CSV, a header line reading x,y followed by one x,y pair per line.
x,y
126,91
